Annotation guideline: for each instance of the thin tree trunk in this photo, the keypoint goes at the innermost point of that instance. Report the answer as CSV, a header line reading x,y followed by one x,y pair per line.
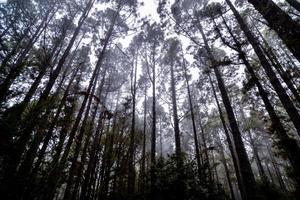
x,y
229,141
79,138
107,160
277,171
26,166
131,150
245,167
197,149
279,68
270,173
217,180
94,148
143,159
85,193
227,172
19,64
153,132
205,149
178,151
260,168
29,122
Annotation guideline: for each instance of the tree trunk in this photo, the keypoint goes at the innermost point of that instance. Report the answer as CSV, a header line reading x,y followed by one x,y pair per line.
x,y
79,115
153,132
279,68
277,171
85,194
131,150
229,141
19,64
91,165
286,28
107,160
242,157
295,4
178,152
245,167
26,166
284,98
260,168
217,180
143,159
227,172
197,149
270,173
29,122
79,138
288,144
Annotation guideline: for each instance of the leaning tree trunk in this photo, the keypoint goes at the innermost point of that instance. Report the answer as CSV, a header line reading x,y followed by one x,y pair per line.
x,y
283,96
19,64
245,166
29,122
249,182
286,77
229,141
260,168
287,143
277,171
286,28
79,138
26,166
53,181
93,151
295,4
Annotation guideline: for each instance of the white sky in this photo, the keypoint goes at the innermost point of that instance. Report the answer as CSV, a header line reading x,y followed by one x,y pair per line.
x,y
149,9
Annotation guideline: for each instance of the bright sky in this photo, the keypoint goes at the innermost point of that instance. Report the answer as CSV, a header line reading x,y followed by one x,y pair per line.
x,y
149,9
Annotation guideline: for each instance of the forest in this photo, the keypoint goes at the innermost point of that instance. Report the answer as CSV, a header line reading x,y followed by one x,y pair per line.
x,y
149,100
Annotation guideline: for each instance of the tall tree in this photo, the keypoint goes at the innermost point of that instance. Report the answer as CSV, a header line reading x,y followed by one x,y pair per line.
x,y
286,28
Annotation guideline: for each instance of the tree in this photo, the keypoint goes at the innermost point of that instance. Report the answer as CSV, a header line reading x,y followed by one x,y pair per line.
x,y
286,28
